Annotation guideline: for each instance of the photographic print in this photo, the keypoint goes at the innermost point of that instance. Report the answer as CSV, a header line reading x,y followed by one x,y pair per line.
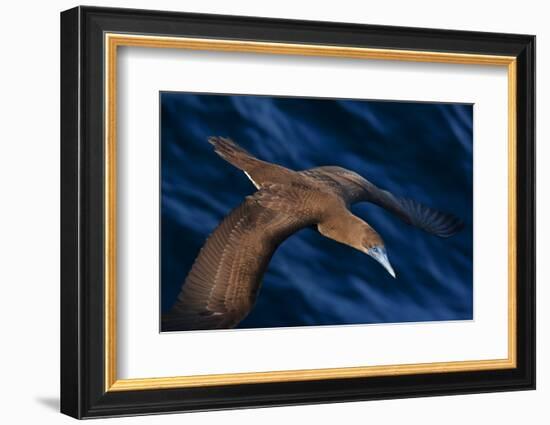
x,y
302,193
288,211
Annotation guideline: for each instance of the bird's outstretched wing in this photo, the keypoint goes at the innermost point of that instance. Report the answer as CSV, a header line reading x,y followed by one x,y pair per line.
x,y
354,188
221,288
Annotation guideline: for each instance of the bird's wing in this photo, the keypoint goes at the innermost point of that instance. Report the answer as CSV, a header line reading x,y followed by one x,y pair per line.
x,y
354,188
221,288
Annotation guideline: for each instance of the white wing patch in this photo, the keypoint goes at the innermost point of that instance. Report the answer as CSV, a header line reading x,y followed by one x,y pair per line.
x,y
253,182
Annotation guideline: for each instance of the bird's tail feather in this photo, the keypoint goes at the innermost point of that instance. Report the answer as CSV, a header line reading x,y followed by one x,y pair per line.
x,y
233,153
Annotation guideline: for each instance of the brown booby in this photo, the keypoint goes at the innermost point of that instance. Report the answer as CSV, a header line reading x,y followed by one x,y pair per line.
x,y
222,286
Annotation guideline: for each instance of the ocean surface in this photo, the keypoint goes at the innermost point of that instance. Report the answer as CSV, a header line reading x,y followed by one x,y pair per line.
x,y
415,150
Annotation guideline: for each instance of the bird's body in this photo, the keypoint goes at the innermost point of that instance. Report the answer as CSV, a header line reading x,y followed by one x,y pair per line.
x,y
222,285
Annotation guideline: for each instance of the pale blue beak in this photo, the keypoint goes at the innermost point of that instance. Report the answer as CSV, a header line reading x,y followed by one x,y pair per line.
x,y
380,255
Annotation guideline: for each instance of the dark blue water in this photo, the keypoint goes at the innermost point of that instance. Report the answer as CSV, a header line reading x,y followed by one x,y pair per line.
x,y
421,151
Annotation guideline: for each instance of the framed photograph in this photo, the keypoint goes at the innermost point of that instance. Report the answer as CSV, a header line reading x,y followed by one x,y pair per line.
x,y
261,212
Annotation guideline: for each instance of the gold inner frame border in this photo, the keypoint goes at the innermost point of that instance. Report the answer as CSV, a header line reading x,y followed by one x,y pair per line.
x,y
114,40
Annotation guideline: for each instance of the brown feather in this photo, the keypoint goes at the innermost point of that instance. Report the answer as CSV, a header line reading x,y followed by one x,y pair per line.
x,y
354,188
221,288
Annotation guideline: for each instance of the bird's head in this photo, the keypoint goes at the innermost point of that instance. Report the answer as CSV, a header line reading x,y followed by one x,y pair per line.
x,y
351,230
373,245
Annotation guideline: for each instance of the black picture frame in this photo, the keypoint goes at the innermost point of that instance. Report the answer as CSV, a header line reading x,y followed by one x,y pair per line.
x,y
83,392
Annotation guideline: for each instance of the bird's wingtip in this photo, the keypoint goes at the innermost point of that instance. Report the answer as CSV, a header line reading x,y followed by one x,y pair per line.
x,y
433,221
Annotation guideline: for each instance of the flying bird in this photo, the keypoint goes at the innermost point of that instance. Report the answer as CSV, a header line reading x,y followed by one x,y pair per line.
x,y
223,283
